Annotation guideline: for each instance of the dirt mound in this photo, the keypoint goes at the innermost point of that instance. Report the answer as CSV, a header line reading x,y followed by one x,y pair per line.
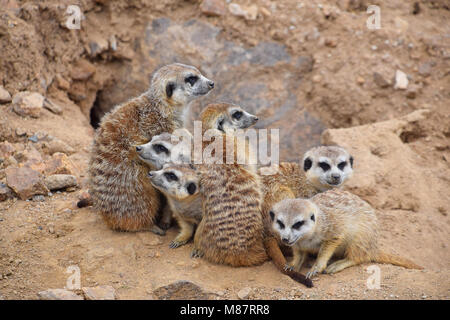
x,y
302,67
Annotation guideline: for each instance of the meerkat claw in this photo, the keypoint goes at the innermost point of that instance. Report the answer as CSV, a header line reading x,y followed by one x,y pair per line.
x,y
288,267
196,253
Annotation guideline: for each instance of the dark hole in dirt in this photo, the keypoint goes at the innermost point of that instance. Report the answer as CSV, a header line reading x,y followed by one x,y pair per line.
x,y
94,113
411,136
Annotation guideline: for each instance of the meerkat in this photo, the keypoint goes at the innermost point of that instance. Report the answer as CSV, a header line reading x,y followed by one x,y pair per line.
x,y
294,180
180,184
119,185
332,223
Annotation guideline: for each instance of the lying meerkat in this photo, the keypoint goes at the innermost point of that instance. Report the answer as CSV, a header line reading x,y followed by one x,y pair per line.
x,y
180,184
118,181
333,223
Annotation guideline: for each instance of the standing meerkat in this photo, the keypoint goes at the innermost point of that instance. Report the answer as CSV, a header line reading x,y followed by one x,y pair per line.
x,y
119,184
322,168
332,223
180,184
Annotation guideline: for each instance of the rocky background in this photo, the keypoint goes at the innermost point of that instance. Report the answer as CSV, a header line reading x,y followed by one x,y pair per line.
x,y
311,68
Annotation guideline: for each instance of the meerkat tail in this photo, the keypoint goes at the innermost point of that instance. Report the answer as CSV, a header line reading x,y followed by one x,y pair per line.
x,y
396,261
274,252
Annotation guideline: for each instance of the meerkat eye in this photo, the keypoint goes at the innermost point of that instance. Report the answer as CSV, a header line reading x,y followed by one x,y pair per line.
x,y
342,165
325,166
351,162
160,148
237,115
191,188
272,215
191,80
297,225
170,176
313,218
280,224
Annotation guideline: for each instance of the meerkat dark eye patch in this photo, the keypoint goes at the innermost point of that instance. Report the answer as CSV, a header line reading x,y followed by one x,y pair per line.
x,y
191,188
170,88
280,224
237,115
297,225
170,176
160,148
342,165
307,164
313,218
191,80
220,125
351,162
325,166
272,215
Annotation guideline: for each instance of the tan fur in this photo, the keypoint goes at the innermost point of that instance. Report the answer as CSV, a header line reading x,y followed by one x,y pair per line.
x,y
119,185
345,227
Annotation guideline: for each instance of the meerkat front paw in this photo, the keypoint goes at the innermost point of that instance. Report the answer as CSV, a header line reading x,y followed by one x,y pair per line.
x,y
176,243
315,269
157,230
196,253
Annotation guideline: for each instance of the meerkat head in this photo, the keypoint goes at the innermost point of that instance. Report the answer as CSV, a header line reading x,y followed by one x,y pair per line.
x,y
177,181
294,219
179,84
225,116
166,148
327,167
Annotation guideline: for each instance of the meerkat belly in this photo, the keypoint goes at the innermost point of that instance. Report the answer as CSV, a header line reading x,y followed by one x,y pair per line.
x,y
311,245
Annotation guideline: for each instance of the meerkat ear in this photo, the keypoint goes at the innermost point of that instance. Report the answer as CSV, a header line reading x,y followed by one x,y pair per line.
x,y
307,164
170,87
351,161
272,215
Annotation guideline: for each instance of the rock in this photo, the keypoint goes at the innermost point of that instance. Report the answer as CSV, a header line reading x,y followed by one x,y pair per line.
x,y
249,13
38,198
99,293
182,289
244,293
60,181
20,132
401,80
82,70
6,150
213,7
28,104
380,80
25,182
97,45
59,163
426,68
58,294
55,145
5,97
62,83
412,91
331,42
52,107
5,192
29,155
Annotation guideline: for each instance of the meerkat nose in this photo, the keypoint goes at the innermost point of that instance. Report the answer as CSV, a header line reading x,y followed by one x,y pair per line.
x,y
211,84
335,176
138,148
285,239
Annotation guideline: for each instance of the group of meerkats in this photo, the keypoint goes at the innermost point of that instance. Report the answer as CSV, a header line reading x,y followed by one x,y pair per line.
x,y
236,215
